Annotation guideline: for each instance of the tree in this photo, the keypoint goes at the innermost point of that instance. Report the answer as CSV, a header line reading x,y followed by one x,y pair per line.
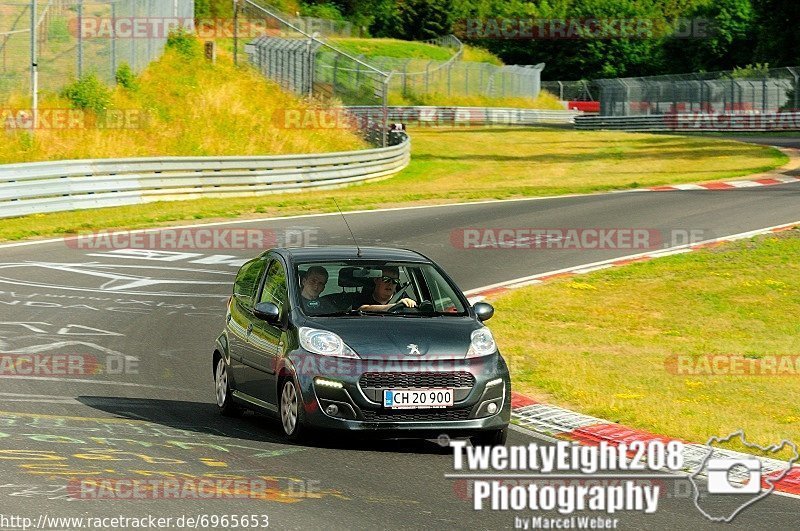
x,y
776,27
415,19
728,40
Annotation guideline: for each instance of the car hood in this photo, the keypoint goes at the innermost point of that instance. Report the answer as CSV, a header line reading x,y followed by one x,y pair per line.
x,y
401,337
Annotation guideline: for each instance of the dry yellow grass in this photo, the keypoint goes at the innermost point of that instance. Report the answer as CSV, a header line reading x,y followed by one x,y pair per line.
x,y
186,107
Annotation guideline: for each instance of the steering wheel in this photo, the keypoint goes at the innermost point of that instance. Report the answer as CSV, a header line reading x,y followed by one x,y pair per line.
x,y
426,306
396,307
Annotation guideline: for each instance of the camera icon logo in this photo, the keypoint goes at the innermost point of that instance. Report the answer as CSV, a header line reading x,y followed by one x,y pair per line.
x,y
734,476
730,473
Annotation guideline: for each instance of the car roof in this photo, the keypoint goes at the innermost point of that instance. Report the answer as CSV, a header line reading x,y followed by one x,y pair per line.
x,y
349,252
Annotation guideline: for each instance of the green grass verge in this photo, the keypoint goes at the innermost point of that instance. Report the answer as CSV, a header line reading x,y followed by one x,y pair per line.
x,y
599,343
487,163
391,48
410,50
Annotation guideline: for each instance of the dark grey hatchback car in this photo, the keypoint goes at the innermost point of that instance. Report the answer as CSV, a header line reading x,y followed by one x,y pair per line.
x,y
373,340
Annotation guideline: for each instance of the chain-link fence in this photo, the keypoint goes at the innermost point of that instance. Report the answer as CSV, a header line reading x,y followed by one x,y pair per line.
x,y
307,65
572,90
417,78
766,91
77,37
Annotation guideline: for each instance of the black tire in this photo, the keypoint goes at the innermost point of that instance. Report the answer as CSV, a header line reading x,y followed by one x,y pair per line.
x,y
222,387
291,411
490,438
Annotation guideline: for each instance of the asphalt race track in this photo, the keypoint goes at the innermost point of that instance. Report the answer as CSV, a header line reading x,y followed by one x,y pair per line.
x,y
152,414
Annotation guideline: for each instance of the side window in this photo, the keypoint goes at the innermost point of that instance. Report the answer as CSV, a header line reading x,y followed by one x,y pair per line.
x,y
247,280
275,290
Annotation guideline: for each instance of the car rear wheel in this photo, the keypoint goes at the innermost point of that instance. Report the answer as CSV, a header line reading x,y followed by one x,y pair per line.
x,y
291,409
490,438
223,390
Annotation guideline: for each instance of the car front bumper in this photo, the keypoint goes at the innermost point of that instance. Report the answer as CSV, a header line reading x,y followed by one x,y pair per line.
x,y
356,388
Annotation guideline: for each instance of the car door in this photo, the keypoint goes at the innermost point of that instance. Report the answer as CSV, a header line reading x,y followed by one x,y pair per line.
x,y
239,320
267,341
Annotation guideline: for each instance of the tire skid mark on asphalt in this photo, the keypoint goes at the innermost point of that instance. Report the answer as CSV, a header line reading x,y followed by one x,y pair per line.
x,y
110,451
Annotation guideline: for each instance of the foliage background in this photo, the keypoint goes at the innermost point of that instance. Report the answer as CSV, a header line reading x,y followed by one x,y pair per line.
x,y
740,32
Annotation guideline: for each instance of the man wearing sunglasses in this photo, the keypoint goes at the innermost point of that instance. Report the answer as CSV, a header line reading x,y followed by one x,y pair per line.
x,y
385,287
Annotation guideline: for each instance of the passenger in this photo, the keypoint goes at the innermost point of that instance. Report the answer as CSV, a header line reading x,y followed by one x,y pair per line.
x,y
385,286
312,284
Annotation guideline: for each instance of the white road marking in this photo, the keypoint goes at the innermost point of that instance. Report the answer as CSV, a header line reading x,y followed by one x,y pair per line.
x,y
687,247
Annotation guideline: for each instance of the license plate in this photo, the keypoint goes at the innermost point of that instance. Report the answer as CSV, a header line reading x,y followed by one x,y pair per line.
x,y
417,398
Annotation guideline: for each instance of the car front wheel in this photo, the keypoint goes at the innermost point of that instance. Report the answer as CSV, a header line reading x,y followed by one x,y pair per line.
x,y
291,409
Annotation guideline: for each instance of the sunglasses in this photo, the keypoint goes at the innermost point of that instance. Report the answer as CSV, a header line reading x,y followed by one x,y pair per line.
x,y
390,280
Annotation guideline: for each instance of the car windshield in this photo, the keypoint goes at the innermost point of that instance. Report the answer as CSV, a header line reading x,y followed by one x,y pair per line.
x,y
392,288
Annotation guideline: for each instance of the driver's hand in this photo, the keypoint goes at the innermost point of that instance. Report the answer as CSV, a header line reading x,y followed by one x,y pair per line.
x,y
410,303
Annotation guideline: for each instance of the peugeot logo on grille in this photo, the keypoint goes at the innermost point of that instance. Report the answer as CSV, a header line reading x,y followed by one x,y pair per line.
x,y
413,350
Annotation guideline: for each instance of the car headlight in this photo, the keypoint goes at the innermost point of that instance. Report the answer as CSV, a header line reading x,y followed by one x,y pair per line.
x,y
325,343
481,343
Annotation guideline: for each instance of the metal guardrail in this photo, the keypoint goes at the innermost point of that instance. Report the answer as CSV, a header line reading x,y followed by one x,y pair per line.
x,y
40,187
694,122
429,115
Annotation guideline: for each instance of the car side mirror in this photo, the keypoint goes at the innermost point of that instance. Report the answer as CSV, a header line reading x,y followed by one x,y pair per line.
x,y
483,311
267,311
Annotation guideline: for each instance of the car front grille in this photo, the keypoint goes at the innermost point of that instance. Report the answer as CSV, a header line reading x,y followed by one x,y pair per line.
x,y
416,380
415,415
373,383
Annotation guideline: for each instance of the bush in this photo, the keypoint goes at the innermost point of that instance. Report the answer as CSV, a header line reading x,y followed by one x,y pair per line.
x,y
328,11
126,78
184,42
88,93
756,71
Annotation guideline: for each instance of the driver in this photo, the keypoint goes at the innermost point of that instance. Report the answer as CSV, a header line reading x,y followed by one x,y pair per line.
x,y
385,287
